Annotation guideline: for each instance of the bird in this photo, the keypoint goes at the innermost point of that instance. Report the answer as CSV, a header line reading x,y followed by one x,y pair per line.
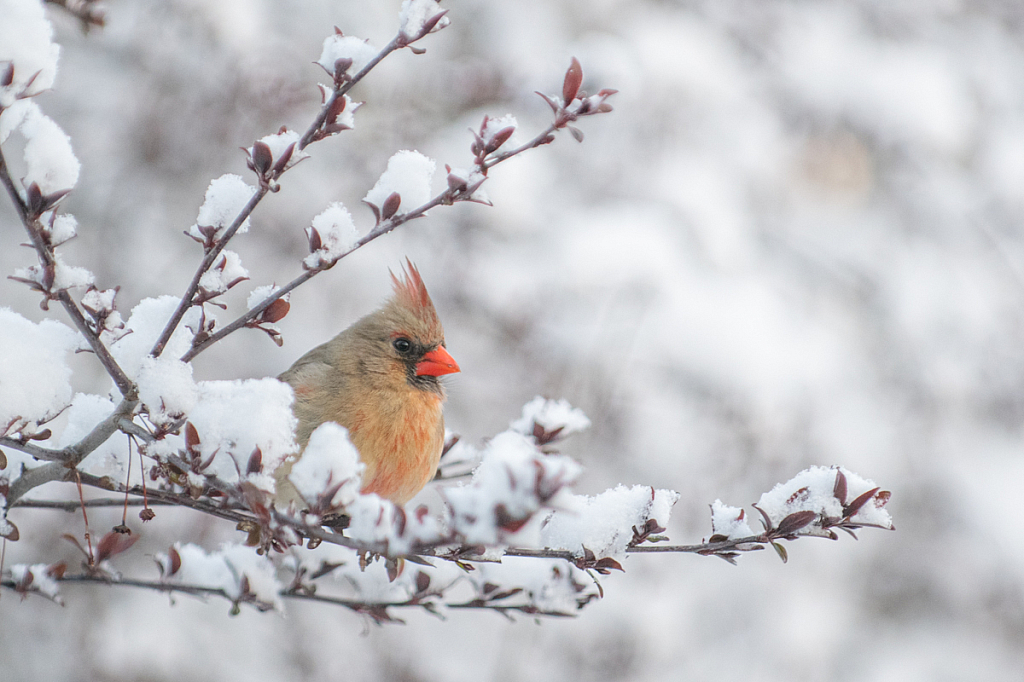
x,y
379,378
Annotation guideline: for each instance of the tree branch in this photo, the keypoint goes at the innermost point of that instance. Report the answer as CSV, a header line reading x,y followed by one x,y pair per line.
x,y
125,385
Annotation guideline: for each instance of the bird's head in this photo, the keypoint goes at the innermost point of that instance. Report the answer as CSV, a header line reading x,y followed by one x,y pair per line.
x,y
408,335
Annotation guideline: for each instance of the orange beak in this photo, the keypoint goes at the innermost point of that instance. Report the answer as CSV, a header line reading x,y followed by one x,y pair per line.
x,y
436,362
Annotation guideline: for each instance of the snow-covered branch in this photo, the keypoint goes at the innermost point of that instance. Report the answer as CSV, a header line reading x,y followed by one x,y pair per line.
x,y
509,536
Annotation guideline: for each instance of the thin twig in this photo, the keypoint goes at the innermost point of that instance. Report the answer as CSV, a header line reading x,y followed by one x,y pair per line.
x,y
45,252
307,138
445,198
62,462
364,607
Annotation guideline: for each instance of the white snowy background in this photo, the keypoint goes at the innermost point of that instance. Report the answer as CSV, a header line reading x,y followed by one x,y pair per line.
x,y
796,241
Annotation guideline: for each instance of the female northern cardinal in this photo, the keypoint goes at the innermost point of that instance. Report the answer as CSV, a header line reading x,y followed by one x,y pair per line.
x,y
379,379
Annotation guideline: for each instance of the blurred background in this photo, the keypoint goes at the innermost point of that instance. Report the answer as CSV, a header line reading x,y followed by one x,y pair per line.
x,y
797,240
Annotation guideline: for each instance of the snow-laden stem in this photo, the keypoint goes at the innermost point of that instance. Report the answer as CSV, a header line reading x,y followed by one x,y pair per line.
x,y
356,605
445,198
211,256
125,385
63,462
309,136
187,299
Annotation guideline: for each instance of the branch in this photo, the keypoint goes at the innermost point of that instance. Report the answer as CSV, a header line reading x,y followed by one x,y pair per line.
x,y
445,198
315,132
30,219
64,461
377,610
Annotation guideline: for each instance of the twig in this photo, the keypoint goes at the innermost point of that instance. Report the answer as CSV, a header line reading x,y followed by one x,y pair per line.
x,y
45,252
374,609
62,462
307,138
445,198
73,506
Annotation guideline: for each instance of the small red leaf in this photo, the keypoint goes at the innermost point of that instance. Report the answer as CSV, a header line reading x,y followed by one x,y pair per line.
x,y
191,439
796,521
854,507
261,157
573,80
276,311
255,460
839,489
114,543
390,206
315,242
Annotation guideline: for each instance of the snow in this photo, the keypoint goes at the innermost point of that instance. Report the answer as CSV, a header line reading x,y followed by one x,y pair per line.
x,y
338,235
224,569
64,228
12,117
233,418
225,273
548,584
513,481
815,489
260,294
166,389
551,415
48,155
64,276
408,174
461,178
346,47
86,411
26,40
604,523
35,380
729,521
493,126
99,300
329,460
144,325
414,15
377,521
279,142
37,575
225,198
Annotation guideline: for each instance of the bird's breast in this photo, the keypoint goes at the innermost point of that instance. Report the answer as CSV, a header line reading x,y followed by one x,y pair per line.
x,y
400,442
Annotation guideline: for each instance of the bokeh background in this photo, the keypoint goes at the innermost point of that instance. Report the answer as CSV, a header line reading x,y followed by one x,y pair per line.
x,y
797,240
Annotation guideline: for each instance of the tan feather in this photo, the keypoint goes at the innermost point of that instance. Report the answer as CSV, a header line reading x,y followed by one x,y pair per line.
x,y
390,404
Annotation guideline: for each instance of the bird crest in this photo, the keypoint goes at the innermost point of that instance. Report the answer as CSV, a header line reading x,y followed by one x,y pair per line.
x,y
411,293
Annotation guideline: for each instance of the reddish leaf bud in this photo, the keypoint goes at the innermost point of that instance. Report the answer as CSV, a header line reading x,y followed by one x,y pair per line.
x,y
573,80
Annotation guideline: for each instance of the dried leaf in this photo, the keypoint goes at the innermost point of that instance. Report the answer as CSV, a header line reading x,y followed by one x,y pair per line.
x,y
781,551
114,543
191,439
609,563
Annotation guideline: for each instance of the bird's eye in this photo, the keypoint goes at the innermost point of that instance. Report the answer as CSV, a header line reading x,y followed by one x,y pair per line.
x,y
402,344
